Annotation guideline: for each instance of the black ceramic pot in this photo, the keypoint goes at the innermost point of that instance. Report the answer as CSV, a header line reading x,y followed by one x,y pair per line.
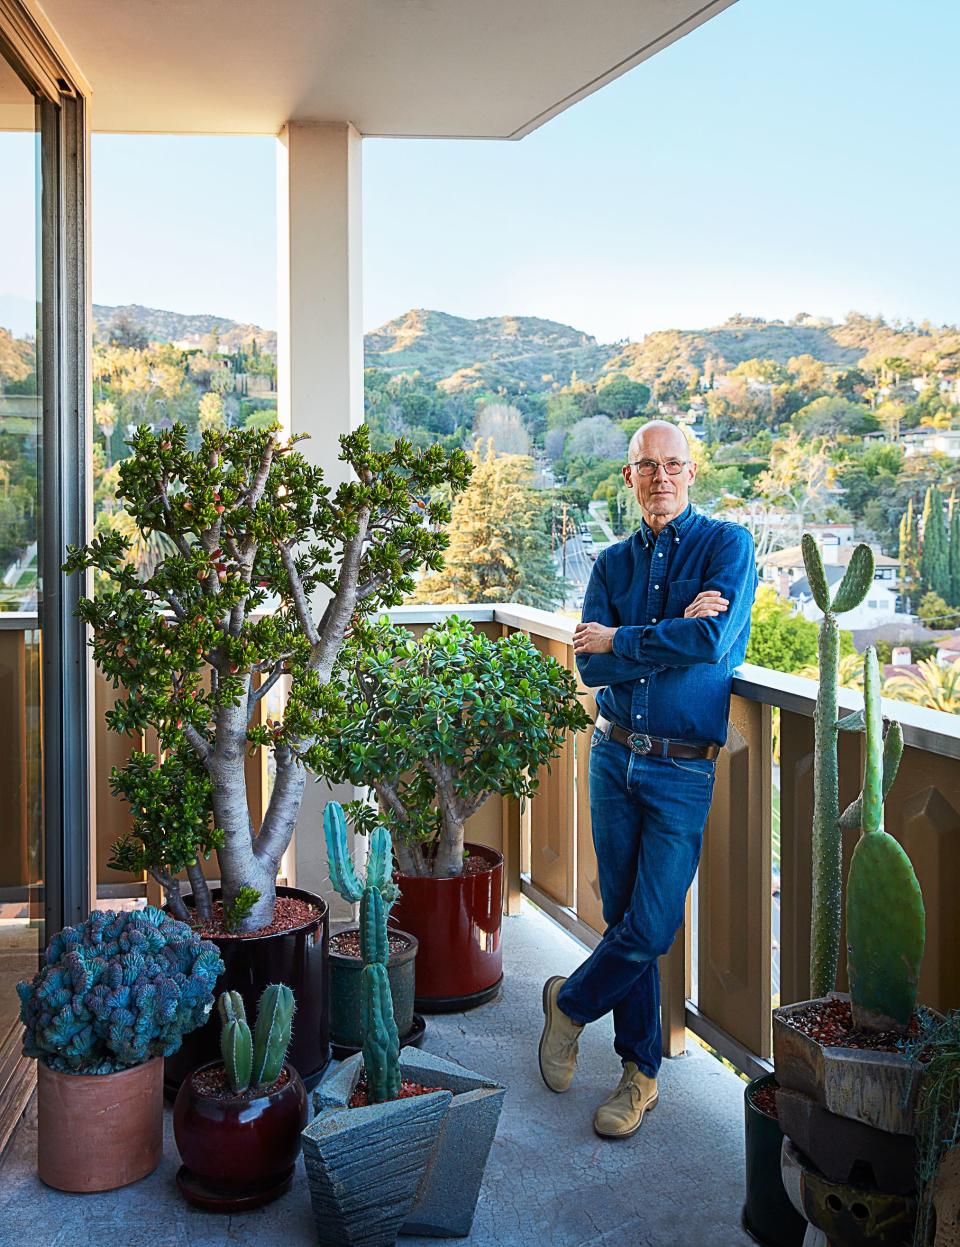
x,y
297,958
346,1010
768,1215
238,1152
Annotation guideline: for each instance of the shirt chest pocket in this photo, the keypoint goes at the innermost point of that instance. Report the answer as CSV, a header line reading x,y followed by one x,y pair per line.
x,y
679,596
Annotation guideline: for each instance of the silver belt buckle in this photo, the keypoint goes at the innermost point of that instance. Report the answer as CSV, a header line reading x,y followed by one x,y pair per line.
x,y
640,743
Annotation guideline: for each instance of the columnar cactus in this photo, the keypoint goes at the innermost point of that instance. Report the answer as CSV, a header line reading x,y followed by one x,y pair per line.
x,y
381,1043
255,1061
117,990
885,915
827,848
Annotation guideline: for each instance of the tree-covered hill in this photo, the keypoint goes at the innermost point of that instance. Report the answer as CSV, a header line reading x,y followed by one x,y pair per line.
x,y
134,325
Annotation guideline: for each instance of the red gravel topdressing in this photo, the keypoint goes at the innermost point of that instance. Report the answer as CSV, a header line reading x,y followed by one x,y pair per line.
x,y
472,865
764,1100
361,1097
830,1022
290,914
347,944
213,1082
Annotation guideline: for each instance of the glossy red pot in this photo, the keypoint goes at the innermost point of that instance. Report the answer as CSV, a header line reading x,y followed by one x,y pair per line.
x,y
457,921
238,1152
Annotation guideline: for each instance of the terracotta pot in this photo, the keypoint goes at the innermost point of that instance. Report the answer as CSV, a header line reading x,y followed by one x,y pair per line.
x,y
97,1132
238,1152
345,996
297,958
457,922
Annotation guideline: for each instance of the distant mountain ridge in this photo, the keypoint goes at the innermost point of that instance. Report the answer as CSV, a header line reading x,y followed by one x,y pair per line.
x,y
527,353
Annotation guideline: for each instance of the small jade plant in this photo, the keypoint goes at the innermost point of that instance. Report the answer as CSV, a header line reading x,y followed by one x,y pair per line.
x,y
381,1043
885,915
827,840
254,1062
117,990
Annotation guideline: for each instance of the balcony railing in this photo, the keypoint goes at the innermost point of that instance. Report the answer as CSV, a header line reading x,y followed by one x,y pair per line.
x,y
745,941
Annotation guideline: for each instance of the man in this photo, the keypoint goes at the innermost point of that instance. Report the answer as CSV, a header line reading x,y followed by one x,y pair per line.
x,y
666,619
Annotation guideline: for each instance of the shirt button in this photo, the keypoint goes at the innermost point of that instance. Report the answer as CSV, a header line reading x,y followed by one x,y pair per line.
x,y
654,619
639,716
656,586
643,680
660,554
676,541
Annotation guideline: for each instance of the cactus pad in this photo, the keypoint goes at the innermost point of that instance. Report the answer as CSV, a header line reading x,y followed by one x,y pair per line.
x,y
856,581
885,933
816,576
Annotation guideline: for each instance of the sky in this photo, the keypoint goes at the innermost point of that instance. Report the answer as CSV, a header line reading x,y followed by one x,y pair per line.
x,y
782,158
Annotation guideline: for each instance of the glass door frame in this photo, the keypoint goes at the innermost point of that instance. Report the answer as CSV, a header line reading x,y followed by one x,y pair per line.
x,y
66,507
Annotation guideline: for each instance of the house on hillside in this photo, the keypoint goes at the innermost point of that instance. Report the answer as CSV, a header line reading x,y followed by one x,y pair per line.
x,y
932,441
784,570
948,650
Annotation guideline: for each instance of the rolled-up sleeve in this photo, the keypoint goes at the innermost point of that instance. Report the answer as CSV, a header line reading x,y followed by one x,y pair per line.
x,y
731,571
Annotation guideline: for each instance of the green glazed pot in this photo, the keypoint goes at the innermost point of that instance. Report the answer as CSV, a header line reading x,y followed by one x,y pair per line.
x,y
768,1215
345,999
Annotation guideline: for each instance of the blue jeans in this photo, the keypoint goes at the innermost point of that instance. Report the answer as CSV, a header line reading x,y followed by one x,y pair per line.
x,y
648,817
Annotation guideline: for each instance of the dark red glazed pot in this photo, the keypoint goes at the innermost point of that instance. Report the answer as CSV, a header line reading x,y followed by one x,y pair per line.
x,y
298,958
238,1152
457,922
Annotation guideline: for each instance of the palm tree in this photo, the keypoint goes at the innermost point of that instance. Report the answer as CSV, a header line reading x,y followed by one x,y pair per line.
x,y
931,685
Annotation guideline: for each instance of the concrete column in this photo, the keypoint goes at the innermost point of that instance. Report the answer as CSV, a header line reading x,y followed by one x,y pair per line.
x,y
319,356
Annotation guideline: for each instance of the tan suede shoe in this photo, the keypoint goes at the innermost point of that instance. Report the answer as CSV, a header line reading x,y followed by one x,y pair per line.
x,y
559,1041
621,1114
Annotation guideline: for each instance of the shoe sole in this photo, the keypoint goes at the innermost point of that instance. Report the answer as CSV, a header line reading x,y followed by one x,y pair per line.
x,y
626,1134
546,1015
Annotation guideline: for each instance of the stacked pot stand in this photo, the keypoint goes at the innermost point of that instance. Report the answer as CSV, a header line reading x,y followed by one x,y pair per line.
x,y
408,1166
346,1012
849,1113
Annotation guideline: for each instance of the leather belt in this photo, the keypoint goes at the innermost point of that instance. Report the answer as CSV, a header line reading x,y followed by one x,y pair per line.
x,y
641,744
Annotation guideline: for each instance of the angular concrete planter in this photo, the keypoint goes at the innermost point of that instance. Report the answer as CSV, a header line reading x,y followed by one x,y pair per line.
x,y
876,1088
847,1216
365,1165
447,1198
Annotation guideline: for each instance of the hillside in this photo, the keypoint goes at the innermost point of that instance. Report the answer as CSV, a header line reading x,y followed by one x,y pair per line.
x,y
185,330
515,352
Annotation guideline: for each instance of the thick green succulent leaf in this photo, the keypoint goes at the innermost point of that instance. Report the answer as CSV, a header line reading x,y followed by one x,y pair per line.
x,y
856,581
852,817
816,576
853,722
885,933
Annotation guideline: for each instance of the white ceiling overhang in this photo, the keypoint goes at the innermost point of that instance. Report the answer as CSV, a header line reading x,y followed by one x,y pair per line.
x,y
405,68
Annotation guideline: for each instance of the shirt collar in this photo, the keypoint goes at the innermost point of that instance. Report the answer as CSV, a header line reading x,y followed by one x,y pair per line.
x,y
679,525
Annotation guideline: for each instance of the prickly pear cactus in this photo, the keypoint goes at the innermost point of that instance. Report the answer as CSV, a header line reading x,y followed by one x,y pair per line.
x,y
827,847
271,1038
885,916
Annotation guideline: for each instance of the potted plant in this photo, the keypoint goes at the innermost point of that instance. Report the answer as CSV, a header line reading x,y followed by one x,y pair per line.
x,y
848,1092
114,996
422,1126
768,1214
434,727
346,964
237,1121
252,538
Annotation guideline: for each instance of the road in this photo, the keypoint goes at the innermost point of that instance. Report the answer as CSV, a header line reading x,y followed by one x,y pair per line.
x,y
599,514
578,568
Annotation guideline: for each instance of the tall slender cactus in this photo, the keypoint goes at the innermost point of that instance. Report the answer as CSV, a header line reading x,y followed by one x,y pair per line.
x,y
827,847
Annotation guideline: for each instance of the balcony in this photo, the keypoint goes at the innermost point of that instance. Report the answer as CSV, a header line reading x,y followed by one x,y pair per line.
x,y
743,948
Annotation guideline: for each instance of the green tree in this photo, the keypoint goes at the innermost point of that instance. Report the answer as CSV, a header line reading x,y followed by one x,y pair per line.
x,y
953,552
934,560
499,540
934,612
909,553
622,398
781,639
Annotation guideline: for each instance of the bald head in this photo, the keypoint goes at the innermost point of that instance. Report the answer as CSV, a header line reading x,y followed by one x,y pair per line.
x,y
659,471
667,437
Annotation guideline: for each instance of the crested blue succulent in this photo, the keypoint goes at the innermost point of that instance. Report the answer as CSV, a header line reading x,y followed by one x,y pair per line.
x,y
117,990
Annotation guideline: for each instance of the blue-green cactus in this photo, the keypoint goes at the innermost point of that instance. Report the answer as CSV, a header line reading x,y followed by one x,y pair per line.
x,y
117,990
343,874
885,915
381,1044
256,1060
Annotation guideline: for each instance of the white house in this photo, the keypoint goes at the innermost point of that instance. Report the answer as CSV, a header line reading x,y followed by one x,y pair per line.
x,y
784,570
932,441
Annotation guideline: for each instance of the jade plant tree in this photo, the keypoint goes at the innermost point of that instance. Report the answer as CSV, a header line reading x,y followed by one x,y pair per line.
x,y
263,573
827,837
435,726
885,914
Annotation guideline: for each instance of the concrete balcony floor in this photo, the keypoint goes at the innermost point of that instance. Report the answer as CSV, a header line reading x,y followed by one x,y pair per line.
x,y
550,1181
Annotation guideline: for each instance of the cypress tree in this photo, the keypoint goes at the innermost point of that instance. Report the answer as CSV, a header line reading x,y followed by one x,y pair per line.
x,y
909,556
934,564
953,553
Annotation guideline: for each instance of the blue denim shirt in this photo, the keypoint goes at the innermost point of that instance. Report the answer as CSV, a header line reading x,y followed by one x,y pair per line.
x,y
669,676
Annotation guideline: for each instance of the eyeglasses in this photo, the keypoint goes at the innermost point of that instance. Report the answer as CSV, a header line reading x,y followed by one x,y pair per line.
x,y
650,467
